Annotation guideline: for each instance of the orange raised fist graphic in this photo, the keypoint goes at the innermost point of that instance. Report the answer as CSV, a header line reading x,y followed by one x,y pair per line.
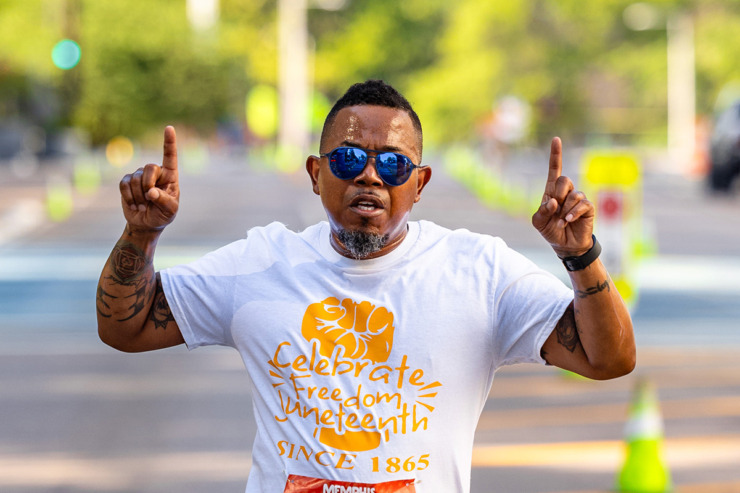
x,y
363,330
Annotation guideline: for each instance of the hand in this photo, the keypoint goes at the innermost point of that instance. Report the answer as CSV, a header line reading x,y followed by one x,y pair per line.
x,y
150,196
565,219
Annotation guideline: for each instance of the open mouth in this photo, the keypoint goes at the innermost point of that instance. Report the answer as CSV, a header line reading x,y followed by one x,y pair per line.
x,y
367,204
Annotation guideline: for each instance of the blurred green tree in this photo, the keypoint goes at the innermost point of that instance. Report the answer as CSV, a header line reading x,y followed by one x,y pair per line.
x,y
143,66
585,74
28,31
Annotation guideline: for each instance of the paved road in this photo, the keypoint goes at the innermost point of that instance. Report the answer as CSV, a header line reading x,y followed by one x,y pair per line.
x,y
80,417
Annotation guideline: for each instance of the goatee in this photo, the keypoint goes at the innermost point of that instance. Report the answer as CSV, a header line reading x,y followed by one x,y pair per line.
x,y
360,244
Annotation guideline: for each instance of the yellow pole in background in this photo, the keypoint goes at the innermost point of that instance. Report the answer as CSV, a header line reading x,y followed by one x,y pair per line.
x,y
613,182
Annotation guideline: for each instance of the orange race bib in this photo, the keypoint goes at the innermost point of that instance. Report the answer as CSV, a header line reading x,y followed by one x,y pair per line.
x,y
302,484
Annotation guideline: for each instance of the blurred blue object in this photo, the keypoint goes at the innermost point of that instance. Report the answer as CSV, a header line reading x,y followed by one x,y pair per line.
x,y
11,140
66,54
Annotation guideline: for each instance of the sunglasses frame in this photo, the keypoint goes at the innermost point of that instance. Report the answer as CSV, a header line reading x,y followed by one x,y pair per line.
x,y
375,156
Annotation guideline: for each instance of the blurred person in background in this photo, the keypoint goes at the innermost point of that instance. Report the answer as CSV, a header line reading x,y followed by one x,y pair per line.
x,y
724,149
371,340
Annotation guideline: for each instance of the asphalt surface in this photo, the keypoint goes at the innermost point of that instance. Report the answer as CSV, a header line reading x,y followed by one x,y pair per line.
x,y
80,417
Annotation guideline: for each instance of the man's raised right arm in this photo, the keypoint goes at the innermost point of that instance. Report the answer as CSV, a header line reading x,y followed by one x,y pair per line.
x,y
133,313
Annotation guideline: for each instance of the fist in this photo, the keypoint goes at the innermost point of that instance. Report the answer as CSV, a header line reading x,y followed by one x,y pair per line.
x,y
363,330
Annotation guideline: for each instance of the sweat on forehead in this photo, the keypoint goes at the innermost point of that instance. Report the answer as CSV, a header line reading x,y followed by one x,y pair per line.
x,y
373,127
369,125
372,93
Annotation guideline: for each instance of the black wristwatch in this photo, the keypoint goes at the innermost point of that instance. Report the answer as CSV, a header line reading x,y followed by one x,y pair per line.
x,y
582,261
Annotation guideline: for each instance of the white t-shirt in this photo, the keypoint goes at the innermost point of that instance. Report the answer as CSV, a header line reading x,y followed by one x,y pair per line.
x,y
373,370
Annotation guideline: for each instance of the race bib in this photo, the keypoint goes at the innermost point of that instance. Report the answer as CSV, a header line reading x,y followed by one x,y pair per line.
x,y
302,484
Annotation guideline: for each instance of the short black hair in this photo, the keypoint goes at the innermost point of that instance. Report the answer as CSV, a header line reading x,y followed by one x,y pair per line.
x,y
372,92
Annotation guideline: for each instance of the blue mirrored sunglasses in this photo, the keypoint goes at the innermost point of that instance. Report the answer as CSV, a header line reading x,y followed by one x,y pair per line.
x,y
348,162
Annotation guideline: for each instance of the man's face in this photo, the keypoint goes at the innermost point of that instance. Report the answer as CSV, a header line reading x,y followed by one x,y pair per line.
x,y
365,203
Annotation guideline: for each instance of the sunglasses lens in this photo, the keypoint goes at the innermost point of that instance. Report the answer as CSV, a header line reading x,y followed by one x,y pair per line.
x,y
347,162
393,168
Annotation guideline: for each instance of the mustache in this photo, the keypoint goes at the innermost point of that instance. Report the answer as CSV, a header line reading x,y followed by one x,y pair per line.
x,y
366,193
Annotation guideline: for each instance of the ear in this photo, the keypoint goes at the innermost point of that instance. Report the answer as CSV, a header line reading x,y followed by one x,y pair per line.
x,y
312,167
423,175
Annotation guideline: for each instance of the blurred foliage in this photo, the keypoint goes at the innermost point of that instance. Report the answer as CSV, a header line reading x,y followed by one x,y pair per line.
x,y
583,71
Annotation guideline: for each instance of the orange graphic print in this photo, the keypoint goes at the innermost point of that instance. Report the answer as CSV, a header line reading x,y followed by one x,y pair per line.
x,y
362,329
365,332
353,340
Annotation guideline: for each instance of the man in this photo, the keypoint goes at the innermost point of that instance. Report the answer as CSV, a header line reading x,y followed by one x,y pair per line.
x,y
371,341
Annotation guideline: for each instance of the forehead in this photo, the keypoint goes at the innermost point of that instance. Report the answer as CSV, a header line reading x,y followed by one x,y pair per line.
x,y
375,127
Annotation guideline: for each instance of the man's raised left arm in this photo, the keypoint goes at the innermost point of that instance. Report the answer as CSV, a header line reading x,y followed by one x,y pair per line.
x,y
594,337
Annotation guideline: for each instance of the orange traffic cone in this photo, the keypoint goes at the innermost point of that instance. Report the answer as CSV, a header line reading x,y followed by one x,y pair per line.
x,y
644,470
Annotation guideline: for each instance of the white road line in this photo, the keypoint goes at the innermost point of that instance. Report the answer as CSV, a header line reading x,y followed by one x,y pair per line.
x,y
53,266
668,272
661,273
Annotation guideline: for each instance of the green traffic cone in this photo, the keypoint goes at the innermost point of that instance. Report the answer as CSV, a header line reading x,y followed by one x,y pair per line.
x,y
644,470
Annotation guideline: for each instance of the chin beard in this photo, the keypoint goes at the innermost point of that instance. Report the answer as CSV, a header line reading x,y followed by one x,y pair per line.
x,y
360,244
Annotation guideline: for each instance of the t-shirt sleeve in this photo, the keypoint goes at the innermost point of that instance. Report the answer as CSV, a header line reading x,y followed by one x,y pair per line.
x,y
201,296
529,303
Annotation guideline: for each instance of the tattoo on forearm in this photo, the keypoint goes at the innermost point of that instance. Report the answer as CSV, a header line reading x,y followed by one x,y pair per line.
x,y
101,305
130,267
139,297
594,289
128,263
566,330
160,313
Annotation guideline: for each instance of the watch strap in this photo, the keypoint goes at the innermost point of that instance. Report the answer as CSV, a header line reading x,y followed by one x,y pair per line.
x,y
582,261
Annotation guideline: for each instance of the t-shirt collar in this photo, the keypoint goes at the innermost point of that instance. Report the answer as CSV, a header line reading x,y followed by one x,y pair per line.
x,y
331,255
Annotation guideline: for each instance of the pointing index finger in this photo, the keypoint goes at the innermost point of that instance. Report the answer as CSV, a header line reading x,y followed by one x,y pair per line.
x,y
554,170
556,163
169,159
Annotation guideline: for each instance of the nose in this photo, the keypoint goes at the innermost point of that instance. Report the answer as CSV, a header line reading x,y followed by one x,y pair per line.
x,y
369,175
